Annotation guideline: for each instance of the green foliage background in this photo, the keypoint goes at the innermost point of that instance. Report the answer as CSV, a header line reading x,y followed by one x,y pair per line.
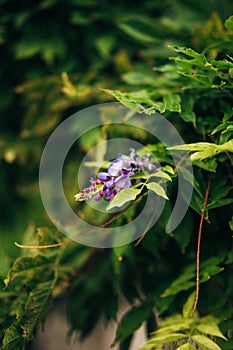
x,y
56,59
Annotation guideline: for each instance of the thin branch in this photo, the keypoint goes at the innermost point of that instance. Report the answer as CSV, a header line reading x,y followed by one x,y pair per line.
x,y
199,248
146,229
43,246
115,217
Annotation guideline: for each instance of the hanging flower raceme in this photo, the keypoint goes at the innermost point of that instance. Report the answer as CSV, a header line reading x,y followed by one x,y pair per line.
x,y
117,178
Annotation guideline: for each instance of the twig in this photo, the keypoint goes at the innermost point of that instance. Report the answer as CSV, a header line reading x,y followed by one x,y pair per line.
x,y
115,217
43,246
199,248
146,229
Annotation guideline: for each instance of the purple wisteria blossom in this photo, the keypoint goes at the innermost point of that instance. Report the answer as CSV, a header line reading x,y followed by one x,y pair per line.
x,y
117,177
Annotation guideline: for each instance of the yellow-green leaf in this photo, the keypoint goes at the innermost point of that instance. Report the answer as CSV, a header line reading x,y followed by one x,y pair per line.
x,y
123,197
205,342
157,189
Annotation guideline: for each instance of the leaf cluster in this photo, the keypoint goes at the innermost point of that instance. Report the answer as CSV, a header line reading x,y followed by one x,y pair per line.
x,y
126,53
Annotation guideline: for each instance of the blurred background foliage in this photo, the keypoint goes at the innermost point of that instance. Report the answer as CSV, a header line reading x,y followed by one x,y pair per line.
x,y
56,56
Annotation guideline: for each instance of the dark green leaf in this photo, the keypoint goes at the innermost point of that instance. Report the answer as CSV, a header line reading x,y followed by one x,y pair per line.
x,y
27,266
231,224
125,344
36,308
219,203
187,109
12,338
183,282
132,320
207,164
139,28
184,231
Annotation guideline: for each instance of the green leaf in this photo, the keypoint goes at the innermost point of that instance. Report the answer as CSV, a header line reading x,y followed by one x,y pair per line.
x,y
77,18
228,113
191,147
186,279
25,50
167,337
204,150
229,128
203,79
169,169
186,346
138,101
27,265
125,99
174,323
231,224
201,340
226,147
183,282
157,342
230,258
188,306
36,308
209,325
172,102
132,320
220,189
104,45
187,112
229,24
12,338
140,78
184,231
139,28
124,196
222,64
48,49
126,343
199,58
201,155
196,203
207,164
219,203
157,189
188,176
162,175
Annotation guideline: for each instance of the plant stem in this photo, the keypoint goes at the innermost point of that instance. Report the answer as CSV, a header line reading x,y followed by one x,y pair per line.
x,y
115,217
199,248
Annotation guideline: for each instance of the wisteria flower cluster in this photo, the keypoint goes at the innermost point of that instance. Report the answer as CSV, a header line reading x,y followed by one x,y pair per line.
x,y
117,177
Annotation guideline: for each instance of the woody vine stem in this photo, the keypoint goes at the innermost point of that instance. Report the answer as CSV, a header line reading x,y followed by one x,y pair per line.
x,y
199,248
